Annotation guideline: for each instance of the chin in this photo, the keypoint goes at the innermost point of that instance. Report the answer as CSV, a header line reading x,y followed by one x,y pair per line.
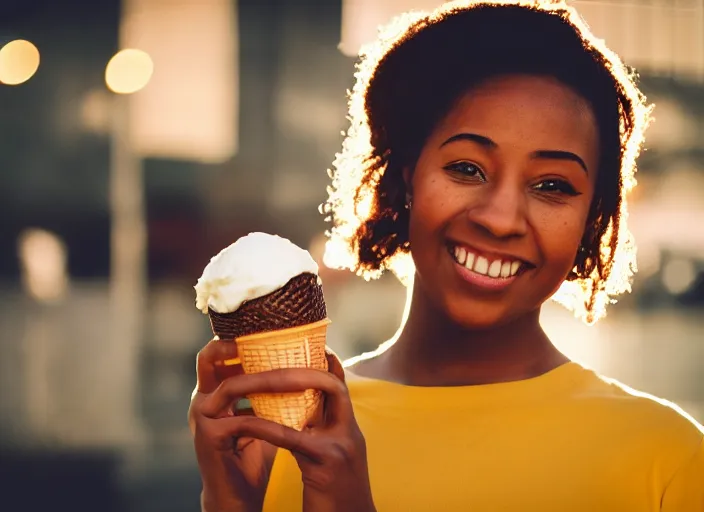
x,y
480,316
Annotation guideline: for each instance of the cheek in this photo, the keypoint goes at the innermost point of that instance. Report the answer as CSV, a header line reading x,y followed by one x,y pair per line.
x,y
437,202
559,234
429,203
434,206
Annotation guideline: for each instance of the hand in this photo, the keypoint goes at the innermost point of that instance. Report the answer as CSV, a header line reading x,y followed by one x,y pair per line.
x,y
330,452
235,473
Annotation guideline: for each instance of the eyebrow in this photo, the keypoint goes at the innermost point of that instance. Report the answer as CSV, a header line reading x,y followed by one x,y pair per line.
x,y
473,137
561,155
548,154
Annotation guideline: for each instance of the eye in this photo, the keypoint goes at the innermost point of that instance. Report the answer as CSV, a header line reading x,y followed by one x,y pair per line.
x,y
556,186
466,170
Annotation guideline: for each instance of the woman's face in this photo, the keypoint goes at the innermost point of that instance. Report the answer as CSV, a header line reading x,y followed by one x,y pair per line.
x,y
501,193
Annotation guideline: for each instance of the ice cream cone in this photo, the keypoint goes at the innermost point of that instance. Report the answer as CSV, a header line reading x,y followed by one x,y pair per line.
x,y
297,347
264,293
283,329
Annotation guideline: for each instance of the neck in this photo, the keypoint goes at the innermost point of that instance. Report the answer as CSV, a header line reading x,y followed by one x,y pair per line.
x,y
432,350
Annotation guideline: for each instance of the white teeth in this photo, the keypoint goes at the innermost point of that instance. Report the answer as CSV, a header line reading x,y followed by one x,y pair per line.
x,y
482,265
462,256
514,267
470,261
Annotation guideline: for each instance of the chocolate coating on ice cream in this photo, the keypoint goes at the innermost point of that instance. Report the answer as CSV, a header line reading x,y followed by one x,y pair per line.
x,y
299,302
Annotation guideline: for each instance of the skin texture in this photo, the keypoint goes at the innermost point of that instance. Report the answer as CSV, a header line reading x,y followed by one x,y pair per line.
x,y
503,197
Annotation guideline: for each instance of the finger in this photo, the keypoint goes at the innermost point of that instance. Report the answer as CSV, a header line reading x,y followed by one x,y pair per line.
x,y
323,414
281,381
223,431
242,442
334,364
317,418
209,362
224,371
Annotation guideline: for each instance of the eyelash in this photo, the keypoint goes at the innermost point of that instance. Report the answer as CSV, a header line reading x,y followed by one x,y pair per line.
x,y
457,167
557,186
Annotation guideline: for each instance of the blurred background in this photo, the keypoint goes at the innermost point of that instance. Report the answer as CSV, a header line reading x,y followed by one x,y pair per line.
x,y
139,137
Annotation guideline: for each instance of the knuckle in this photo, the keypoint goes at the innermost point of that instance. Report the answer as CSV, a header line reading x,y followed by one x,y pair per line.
x,y
205,353
201,431
217,434
192,413
339,387
201,356
192,419
359,438
198,420
243,425
194,410
222,439
342,451
231,386
290,438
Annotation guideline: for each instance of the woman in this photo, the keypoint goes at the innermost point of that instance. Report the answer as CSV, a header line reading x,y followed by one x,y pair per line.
x,y
494,144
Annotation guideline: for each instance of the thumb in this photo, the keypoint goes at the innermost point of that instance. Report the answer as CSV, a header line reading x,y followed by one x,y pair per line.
x,y
334,364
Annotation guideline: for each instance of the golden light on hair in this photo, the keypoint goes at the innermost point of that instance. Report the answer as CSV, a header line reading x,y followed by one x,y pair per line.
x,y
337,254
358,165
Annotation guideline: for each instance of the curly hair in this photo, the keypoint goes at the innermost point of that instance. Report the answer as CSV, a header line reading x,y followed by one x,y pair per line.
x,y
408,80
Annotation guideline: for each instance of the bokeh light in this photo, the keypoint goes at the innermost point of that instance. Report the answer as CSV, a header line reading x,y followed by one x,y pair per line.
x,y
679,275
43,257
19,61
129,71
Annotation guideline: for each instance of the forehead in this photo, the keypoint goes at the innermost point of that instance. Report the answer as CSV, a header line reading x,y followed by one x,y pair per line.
x,y
526,112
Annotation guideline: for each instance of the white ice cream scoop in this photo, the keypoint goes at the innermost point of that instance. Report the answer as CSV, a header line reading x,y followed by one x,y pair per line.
x,y
253,266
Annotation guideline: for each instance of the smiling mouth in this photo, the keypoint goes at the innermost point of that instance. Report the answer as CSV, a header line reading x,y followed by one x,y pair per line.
x,y
498,269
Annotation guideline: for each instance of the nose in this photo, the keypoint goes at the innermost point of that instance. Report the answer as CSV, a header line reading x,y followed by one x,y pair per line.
x,y
500,211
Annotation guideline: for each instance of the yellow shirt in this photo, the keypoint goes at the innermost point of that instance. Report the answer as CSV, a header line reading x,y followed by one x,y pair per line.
x,y
567,441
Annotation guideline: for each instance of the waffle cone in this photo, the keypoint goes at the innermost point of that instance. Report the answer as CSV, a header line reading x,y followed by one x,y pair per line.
x,y
297,347
284,329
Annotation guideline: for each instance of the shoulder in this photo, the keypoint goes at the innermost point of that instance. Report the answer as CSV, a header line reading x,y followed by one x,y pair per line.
x,y
636,404
641,417
365,367
356,381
